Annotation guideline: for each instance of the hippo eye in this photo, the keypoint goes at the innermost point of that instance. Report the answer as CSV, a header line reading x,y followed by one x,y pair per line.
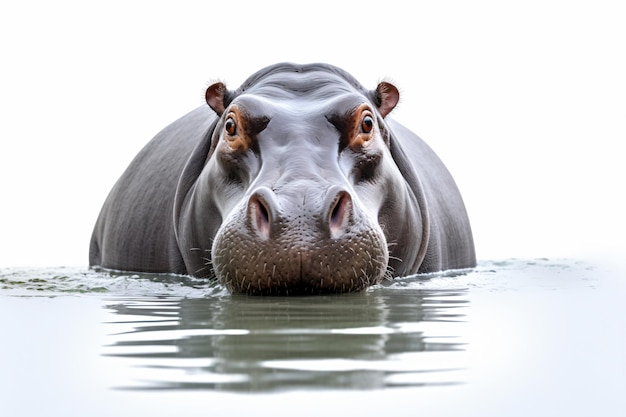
x,y
367,124
230,126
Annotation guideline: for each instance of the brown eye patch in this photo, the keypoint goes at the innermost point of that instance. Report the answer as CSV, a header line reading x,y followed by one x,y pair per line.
x,y
241,127
234,130
357,126
363,126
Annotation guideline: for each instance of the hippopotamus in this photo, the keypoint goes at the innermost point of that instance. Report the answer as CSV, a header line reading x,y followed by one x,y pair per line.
x,y
297,182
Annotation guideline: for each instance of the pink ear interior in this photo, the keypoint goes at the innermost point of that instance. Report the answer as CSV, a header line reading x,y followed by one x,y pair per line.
x,y
388,96
215,97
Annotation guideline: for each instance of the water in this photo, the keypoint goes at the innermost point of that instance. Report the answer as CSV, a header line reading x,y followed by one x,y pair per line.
x,y
513,337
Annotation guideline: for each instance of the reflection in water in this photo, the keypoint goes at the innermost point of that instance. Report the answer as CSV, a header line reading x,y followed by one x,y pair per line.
x,y
385,337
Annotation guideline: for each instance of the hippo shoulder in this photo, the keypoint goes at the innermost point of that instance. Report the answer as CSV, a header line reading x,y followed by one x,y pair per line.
x,y
144,194
450,244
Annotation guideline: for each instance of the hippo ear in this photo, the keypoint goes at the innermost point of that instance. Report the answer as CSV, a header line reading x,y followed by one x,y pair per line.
x,y
386,96
216,97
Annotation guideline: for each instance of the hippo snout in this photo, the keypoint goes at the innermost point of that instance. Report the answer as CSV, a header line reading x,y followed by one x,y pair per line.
x,y
299,241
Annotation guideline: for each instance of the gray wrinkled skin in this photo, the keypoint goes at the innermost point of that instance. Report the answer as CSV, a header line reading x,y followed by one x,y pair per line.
x,y
298,182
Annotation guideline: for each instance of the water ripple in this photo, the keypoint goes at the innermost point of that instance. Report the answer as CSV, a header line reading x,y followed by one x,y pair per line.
x,y
380,338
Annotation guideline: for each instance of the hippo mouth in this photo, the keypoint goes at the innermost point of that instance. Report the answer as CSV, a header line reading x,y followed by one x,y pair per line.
x,y
288,267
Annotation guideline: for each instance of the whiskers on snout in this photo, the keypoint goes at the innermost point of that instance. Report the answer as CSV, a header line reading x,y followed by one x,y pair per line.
x,y
390,270
264,271
206,271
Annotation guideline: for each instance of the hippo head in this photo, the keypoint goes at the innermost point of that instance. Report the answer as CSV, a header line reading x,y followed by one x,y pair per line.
x,y
298,171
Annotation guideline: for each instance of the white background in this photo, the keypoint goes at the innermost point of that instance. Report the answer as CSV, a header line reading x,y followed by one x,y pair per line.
x,y
524,101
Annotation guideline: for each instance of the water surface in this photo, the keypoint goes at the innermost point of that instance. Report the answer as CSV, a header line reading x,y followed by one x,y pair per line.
x,y
513,337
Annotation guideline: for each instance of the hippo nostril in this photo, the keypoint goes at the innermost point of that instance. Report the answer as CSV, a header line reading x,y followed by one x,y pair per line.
x,y
336,215
260,215
339,212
